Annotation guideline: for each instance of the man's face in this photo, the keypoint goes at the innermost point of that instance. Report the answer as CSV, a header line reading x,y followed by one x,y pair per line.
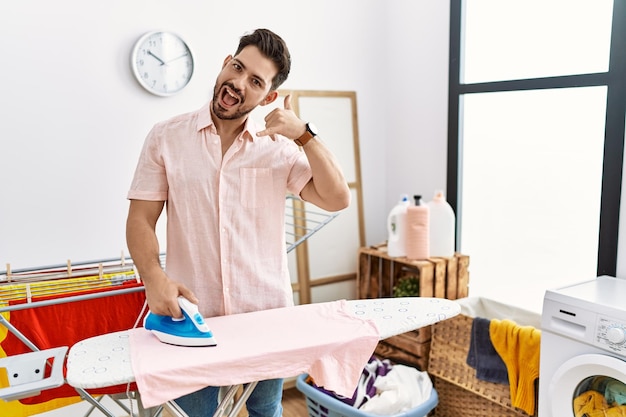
x,y
243,84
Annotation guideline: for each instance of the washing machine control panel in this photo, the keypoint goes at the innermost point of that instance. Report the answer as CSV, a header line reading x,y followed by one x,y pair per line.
x,y
611,334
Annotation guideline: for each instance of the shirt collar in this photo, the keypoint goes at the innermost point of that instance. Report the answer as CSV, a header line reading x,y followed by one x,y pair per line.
x,y
206,121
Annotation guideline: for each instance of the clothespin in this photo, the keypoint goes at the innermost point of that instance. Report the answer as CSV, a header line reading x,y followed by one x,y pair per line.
x,y
8,272
123,262
29,294
100,270
69,268
137,277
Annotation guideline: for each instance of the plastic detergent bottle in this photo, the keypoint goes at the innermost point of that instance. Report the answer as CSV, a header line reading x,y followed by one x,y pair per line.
x,y
441,227
417,220
396,228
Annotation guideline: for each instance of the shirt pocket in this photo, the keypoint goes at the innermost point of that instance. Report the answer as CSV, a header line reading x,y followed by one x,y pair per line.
x,y
256,187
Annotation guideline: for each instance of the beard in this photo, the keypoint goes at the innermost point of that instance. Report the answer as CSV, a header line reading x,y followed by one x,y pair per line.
x,y
222,113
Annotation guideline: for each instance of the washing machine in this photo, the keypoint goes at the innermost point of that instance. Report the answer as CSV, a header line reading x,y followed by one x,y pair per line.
x,y
583,350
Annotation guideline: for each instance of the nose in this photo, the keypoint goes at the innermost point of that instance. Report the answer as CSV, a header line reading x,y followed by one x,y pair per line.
x,y
239,84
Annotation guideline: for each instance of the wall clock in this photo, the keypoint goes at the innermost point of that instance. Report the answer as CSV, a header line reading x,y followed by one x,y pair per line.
x,y
162,63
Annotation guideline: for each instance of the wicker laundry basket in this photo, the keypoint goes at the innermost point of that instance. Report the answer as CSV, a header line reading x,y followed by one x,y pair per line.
x,y
460,392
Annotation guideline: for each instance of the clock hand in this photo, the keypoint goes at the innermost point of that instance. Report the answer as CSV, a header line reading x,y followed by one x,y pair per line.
x,y
157,58
178,57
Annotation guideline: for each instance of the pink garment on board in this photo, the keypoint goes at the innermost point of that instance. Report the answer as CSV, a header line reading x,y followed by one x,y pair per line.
x,y
324,340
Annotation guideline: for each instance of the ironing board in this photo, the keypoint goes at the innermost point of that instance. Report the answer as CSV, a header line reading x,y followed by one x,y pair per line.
x,y
105,360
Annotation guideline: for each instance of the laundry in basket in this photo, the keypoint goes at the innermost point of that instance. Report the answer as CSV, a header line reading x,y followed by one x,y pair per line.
x,y
384,389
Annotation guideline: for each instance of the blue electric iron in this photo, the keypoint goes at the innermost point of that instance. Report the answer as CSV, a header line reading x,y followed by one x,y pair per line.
x,y
190,330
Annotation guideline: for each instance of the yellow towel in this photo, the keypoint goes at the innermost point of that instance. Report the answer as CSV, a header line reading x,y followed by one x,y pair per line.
x,y
518,346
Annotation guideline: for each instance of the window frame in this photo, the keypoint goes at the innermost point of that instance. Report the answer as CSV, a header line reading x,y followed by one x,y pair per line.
x,y
614,79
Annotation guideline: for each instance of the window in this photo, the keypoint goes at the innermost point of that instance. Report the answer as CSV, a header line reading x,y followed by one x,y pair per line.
x,y
535,142
505,40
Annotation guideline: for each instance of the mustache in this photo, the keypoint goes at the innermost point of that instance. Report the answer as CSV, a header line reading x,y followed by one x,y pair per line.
x,y
234,89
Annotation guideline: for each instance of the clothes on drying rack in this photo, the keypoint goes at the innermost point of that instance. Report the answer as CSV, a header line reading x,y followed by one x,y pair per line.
x,y
27,290
65,324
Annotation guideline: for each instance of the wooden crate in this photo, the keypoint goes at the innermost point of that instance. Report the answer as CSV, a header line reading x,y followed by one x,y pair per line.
x,y
377,275
407,348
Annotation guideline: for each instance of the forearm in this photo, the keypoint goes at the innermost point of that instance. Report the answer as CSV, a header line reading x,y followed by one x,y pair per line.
x,y
142,240
143,246
328,188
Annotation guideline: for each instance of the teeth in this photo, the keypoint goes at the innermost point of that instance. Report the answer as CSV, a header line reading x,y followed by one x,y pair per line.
x,y
235,96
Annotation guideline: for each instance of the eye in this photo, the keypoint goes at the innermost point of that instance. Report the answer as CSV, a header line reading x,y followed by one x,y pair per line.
x,y
236,66
256,82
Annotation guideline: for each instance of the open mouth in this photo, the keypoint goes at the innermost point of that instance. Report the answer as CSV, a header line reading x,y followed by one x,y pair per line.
x,y
230,97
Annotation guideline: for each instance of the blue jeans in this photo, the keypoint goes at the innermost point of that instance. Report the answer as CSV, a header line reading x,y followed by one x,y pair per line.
x,y
265,400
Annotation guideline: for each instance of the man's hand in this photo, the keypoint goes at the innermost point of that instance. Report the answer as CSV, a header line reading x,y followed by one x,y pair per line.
x,y
162,295
283,122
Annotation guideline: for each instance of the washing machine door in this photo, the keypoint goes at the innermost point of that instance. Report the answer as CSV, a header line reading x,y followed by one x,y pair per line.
x,y
588,385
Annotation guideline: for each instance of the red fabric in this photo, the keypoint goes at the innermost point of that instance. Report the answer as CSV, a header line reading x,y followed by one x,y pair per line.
x,y
68,323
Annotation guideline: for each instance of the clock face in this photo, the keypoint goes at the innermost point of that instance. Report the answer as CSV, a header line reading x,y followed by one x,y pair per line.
x,y
162,63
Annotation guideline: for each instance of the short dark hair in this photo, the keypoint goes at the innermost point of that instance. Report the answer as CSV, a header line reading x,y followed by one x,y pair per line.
x,y
272,46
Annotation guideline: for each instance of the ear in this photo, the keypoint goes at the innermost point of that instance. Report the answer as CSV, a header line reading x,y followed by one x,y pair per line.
x,y
271,96
227,60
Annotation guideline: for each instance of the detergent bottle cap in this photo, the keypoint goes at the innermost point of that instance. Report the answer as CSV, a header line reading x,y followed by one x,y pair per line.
x,y
439,196
418,200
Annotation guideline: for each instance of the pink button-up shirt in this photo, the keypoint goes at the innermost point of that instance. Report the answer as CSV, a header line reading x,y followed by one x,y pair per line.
x,y
225,216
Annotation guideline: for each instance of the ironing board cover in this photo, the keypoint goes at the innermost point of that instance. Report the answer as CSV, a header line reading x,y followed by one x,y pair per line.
x,y
332,342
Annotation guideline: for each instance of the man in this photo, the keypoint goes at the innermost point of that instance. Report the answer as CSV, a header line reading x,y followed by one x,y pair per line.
x,y
225,183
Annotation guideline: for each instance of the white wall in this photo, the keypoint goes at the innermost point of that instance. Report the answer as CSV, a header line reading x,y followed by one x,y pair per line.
x,y
417,107
74,119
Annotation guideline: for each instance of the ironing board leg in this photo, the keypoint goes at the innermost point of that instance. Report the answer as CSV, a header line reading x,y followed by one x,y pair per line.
x,y
242,400
174,409
222,408
141,411
226,401
91,400
117,399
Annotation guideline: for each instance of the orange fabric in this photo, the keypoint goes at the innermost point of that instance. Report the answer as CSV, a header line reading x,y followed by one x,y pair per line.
x,y
67,323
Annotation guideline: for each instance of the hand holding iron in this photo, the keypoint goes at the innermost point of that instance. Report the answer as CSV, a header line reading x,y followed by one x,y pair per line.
x,y
162,295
